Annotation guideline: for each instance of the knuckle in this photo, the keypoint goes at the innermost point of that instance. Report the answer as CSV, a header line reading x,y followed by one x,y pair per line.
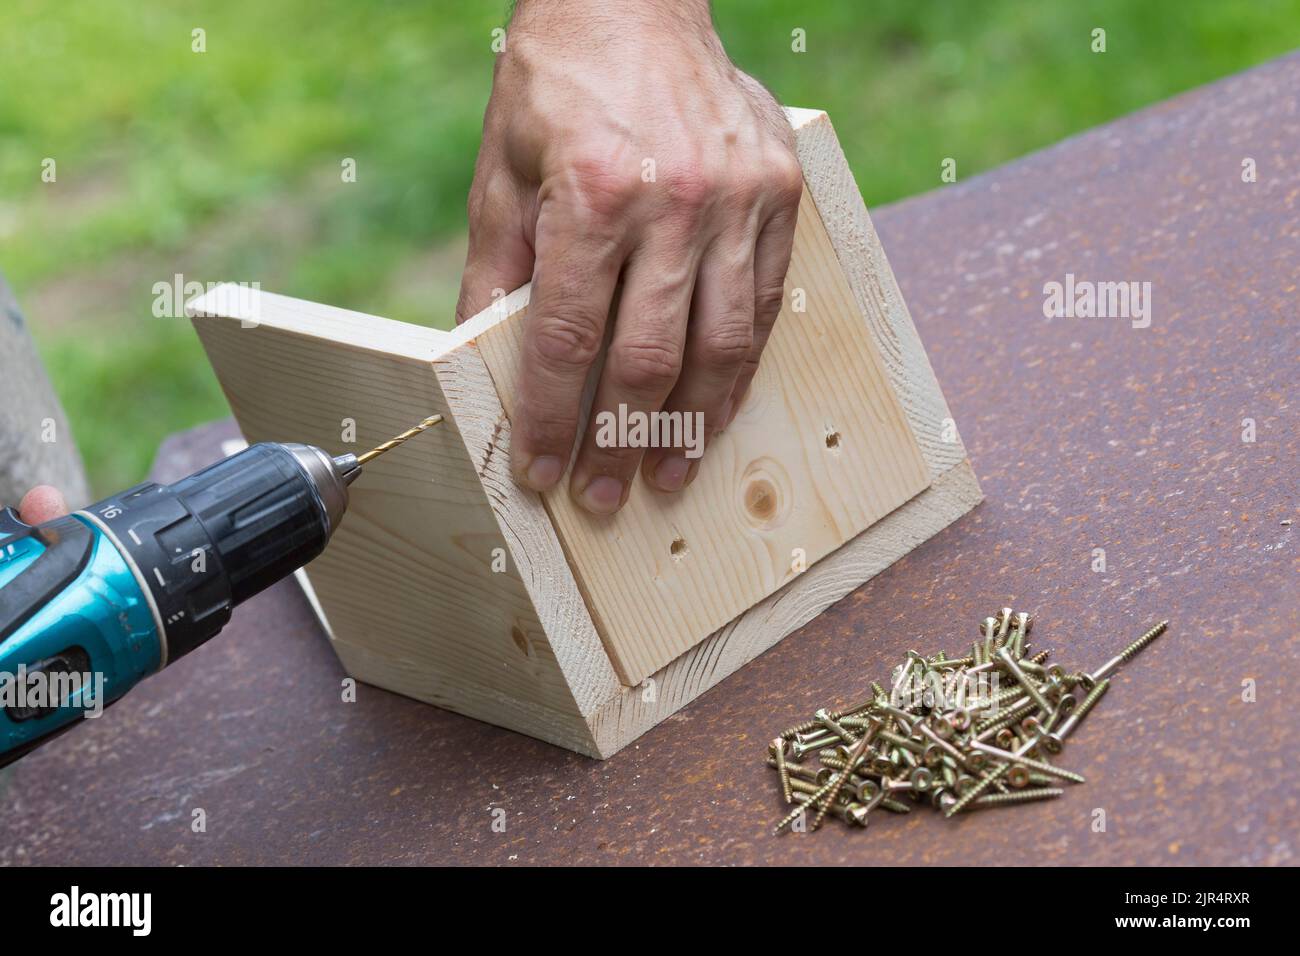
x,y
603,187
746,189
478,209
547,425
769,297
568,338
787,180
646,367
492,200
729,344
690,188
748,369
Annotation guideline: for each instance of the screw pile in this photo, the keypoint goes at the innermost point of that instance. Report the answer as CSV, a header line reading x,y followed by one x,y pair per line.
x,y
959,732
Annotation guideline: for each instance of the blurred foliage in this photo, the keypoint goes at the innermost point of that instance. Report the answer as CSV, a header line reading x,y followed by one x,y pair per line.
x,y
226,164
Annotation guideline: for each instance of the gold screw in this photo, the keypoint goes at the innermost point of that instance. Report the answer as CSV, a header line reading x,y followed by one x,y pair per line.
x,y
778,749
1126,655
838,781
1020,796
929,748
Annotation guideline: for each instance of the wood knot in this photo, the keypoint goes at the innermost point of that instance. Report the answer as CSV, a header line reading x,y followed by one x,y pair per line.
x,y
765,494
760,500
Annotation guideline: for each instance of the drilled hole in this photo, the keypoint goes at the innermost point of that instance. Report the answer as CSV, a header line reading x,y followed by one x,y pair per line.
x,y
678,548
832,439
520,638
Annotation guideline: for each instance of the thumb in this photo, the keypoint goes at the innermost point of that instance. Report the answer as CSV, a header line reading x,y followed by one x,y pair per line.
x,y
41,504
500,257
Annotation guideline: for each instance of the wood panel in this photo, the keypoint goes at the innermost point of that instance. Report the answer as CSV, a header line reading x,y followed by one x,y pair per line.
x,y
865,267
407,585
820,450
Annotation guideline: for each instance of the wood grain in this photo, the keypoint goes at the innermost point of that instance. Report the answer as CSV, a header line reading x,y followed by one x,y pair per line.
x,y
866,269
633,711
407,584
819,451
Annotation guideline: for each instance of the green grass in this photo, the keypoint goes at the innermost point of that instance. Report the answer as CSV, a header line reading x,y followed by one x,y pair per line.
x,y
225,165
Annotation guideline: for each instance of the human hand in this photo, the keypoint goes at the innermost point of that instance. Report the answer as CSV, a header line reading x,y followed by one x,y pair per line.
x,y
41,504
621,144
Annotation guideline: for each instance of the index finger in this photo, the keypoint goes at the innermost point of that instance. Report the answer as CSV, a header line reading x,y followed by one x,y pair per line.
x,y
573,284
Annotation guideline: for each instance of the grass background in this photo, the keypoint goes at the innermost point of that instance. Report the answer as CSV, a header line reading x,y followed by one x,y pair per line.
x,y
225,165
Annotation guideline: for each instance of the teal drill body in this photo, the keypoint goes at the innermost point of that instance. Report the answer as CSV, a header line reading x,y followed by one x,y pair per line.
x,y
91,643
92,603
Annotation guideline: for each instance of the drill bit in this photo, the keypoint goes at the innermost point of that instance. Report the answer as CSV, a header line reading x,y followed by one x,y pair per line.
x,y
394,442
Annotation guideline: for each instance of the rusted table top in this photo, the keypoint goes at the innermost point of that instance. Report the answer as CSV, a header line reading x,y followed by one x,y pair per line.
x,y
1086,433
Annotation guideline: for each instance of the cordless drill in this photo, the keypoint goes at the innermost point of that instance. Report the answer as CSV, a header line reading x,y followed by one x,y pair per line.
x,y
93,602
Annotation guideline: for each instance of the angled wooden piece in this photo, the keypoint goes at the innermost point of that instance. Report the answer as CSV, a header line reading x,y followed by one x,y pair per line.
x,y
819,451
449,583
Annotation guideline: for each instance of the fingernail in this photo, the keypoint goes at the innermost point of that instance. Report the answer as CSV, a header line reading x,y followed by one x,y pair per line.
x,y
670,475
602,495
544,472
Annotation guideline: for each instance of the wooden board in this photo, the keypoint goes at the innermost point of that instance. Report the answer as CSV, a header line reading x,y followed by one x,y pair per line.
x,y
412,594
819,451
407,584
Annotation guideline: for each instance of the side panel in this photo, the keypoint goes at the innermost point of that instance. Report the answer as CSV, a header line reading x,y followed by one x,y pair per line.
x,y
418,586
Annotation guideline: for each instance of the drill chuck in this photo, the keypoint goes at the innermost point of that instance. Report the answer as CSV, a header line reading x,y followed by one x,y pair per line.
x,y
214,539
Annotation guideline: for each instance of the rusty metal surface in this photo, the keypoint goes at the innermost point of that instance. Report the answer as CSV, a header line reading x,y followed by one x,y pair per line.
x,y
1086,433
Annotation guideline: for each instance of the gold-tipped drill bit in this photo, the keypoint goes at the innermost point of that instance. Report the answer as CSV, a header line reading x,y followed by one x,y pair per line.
x,y
394,442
